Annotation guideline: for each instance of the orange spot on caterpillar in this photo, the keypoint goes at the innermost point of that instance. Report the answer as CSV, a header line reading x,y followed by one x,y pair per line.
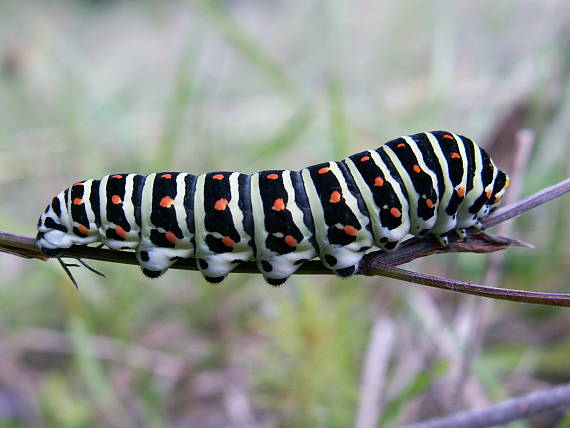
x,y
490,164
278,205
455,156
83,229
417,169
167,176
77,201
449,137
121,233
379,181
117,176
350,230
488,193
429,203
335,197
170,237
273,176
218,177
323,170
461,191
289,240
221,204
401,146
116,199
497,199
364,158
79,183
395,212
166,202
228,242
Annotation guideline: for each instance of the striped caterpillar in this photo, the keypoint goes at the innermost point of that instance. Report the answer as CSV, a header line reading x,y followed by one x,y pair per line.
x,y
429,183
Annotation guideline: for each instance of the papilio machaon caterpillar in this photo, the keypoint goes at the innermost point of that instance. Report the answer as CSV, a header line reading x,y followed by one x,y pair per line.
x,y
428,183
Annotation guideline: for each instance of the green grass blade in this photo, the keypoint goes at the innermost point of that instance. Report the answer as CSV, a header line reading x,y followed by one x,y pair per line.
x,y
180,98
93,374
285,137
219,16
338,121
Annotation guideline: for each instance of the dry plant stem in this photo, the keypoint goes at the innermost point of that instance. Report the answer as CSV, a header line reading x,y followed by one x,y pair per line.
x,y
376,361
528,203
479,311
550,299
507,411
375,263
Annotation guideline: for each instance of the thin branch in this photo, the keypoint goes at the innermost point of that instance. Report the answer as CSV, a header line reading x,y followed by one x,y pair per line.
x,y
25,246
375,263
528,203
550,299
507,411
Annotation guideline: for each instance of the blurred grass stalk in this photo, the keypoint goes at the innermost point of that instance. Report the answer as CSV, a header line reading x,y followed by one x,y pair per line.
x,y
375,366
475,314
177,106
216,14
94,375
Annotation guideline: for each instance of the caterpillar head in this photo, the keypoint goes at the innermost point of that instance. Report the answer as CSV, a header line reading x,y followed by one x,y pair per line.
x,y
53,231
499,187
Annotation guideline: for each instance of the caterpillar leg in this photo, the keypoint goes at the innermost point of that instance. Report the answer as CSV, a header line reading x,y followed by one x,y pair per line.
x,y
342,261
462,233
277,268
443,239
215,267
154,261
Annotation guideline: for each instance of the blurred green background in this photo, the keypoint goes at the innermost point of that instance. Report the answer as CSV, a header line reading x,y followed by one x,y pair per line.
x,y
89,88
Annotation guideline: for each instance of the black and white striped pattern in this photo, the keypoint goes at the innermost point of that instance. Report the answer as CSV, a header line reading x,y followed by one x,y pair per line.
x,y
429,183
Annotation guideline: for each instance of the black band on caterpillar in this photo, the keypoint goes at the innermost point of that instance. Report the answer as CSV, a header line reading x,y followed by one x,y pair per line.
x,y
429,183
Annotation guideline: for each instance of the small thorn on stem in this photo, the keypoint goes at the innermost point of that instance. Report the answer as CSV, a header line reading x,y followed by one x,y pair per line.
x,y
91,268
68,272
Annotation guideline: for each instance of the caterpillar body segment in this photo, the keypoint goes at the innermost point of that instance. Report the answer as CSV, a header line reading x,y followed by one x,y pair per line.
x,y
164,233
341,221
222,223
283,224
424,184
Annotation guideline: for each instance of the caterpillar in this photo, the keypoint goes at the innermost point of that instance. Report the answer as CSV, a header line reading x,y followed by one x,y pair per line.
x,y
430,183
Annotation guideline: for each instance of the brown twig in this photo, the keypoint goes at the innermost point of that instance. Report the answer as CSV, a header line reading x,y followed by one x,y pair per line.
x,y
550,299
507,411
477,313
528,203
376,263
